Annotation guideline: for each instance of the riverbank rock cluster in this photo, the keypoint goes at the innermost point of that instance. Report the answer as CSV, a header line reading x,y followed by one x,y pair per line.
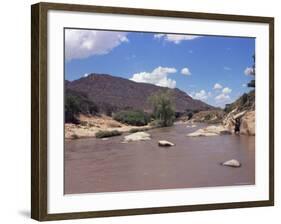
x,y
210,131
247,118
242,109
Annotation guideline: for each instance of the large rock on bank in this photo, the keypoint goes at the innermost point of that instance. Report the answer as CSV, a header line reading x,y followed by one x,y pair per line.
x,y
210,131
138,136
248,124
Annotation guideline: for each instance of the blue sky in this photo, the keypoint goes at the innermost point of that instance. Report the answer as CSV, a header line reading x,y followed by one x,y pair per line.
x,y
213,69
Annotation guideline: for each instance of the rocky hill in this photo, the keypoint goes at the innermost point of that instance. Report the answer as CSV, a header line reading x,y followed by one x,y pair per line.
x,y
115,93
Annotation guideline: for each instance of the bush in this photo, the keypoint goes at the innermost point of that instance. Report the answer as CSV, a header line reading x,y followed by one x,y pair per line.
x,y
136,118
74,136
105,134
75,103
155,124
134,130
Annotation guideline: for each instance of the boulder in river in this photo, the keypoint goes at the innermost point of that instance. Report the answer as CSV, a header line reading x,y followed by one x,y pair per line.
x,y
210,131
165,143
232,163
138,136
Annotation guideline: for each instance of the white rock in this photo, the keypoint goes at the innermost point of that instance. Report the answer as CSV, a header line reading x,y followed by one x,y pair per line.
x,y
138,136
210,131
232,163
105,139
165,143
201,134
239,115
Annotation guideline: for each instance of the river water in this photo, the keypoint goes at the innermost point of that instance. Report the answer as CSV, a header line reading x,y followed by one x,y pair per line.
x,y
95,165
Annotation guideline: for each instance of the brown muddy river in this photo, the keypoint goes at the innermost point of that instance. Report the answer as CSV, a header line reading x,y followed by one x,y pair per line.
x,y
96,165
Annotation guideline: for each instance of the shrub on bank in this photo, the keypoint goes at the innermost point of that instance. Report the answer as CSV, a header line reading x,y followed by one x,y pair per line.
x,y
134,130
136,118
105,134
75,103
74,136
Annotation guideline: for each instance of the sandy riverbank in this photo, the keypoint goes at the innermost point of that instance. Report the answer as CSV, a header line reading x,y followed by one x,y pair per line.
x,y
90,125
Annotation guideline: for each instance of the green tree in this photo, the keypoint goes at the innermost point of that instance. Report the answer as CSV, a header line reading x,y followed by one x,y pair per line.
x,y
163,109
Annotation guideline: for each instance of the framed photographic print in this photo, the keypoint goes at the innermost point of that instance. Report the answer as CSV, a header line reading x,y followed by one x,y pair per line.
x,y
138,111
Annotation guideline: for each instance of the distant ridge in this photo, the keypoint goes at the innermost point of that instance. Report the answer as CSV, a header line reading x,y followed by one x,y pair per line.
x,y
106,90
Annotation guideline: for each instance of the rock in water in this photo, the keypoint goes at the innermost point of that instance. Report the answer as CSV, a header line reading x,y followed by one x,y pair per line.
x,y
165,143
200,133
210,131
232,163
138,136
105,139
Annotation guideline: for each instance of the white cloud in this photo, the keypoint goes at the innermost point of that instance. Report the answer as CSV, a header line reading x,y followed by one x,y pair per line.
x,y
86,75
176,38
244,85
185,71
84,43
249,71
222,97
158,77
201,95
226,90
217,86
226,68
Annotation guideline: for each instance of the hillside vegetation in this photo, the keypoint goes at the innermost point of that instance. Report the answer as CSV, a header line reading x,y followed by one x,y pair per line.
x,y
76,103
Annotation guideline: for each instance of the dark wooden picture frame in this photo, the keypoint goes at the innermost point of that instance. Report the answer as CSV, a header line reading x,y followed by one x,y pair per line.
x,y
39,148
